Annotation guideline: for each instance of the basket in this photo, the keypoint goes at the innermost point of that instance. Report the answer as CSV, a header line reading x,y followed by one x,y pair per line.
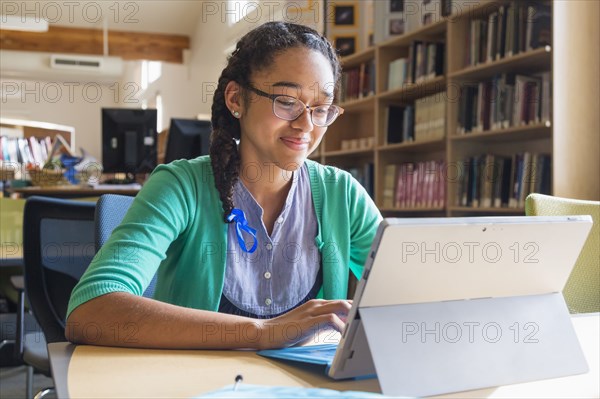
x,y
47,177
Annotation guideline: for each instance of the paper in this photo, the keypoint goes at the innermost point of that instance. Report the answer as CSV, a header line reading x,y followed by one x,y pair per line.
x,y
262,391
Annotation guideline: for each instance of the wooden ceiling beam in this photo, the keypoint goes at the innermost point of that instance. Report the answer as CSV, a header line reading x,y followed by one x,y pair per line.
x,y
127,45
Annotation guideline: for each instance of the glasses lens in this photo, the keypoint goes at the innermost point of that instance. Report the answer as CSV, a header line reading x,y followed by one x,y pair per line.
x,y
324,115
290,108
287,108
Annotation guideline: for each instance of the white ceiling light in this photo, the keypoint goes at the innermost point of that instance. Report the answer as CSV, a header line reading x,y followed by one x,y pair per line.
x,y
23,23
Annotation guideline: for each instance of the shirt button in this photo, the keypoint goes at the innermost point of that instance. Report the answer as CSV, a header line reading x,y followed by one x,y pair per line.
x,y
280,220
269,246
268,301
267,275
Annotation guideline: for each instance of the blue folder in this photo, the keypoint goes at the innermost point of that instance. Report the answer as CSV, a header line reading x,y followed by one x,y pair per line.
x,y
312,354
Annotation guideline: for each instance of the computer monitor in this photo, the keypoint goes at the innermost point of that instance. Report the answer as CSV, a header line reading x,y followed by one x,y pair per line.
x,y
188,139
128,140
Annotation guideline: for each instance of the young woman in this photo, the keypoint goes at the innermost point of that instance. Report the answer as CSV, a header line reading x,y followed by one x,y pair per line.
x,y
253,245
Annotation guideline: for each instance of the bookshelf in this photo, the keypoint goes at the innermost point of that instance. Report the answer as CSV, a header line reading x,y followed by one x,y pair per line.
x,y
25,143
520,140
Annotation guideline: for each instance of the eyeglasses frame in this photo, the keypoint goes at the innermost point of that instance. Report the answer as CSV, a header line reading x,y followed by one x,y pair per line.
x,y
272,97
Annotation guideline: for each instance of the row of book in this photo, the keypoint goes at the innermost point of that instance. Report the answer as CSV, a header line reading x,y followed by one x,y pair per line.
x,y
496,181
507,100
357,82
424,121
425,61
430,117
414,185
512,29
27,151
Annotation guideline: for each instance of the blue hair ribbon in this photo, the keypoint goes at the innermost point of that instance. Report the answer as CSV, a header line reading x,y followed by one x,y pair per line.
x,y
241,224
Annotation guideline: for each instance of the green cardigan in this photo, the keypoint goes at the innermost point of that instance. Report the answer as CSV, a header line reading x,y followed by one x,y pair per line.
x,y
176,222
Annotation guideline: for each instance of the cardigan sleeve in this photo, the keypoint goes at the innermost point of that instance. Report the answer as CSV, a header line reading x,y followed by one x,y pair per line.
x,y
131,256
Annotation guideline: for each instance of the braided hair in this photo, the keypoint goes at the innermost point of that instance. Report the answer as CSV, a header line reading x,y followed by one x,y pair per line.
x,y
255,51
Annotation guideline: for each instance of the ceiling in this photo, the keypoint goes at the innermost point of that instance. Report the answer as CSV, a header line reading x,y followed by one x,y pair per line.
x,y
157,16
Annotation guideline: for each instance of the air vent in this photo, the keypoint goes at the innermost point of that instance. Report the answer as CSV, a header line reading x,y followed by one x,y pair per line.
x,y
93,64
65,67
75,62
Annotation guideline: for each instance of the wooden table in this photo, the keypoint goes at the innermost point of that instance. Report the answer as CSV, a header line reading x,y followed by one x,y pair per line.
x,y
72,191
101,372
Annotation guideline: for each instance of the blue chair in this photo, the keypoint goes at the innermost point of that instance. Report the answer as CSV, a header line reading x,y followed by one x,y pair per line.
x,y
58,246
110,211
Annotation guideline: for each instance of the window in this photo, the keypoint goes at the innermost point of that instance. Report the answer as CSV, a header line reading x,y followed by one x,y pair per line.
x,y
150,72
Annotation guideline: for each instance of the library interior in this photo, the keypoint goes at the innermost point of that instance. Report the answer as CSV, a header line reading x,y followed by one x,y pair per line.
x,y
449,160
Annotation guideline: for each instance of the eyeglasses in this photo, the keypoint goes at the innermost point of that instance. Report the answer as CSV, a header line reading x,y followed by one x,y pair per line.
x,y
290,108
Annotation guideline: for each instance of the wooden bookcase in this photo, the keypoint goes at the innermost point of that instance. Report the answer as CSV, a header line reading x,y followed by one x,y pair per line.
x,y
365,118
24,129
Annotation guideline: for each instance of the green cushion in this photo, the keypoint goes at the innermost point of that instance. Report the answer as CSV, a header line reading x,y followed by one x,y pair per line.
x,y
11,238
582,291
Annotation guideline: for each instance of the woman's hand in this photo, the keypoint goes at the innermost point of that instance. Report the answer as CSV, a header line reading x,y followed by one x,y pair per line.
x,y
303,322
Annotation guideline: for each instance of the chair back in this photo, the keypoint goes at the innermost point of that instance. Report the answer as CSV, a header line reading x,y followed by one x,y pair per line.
x,y
58,246
582,291
110,211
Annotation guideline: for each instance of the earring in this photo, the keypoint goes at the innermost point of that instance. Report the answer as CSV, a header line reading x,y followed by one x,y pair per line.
x,y
236,114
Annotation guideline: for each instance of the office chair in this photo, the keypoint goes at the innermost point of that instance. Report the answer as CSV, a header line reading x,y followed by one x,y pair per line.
x,y
582,291
10,354
110,211
11,324
58,246
11,267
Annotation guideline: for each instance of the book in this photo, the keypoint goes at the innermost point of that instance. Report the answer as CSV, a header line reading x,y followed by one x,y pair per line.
x,y
397,73
462,180
516,181
488,176
526,96
526,176
501,186
408,128
389,184
441,184
399,200
539,26
394,124
546,97
491,36
501,33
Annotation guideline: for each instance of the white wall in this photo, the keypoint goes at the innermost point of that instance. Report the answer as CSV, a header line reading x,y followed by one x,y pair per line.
x,y
186,89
